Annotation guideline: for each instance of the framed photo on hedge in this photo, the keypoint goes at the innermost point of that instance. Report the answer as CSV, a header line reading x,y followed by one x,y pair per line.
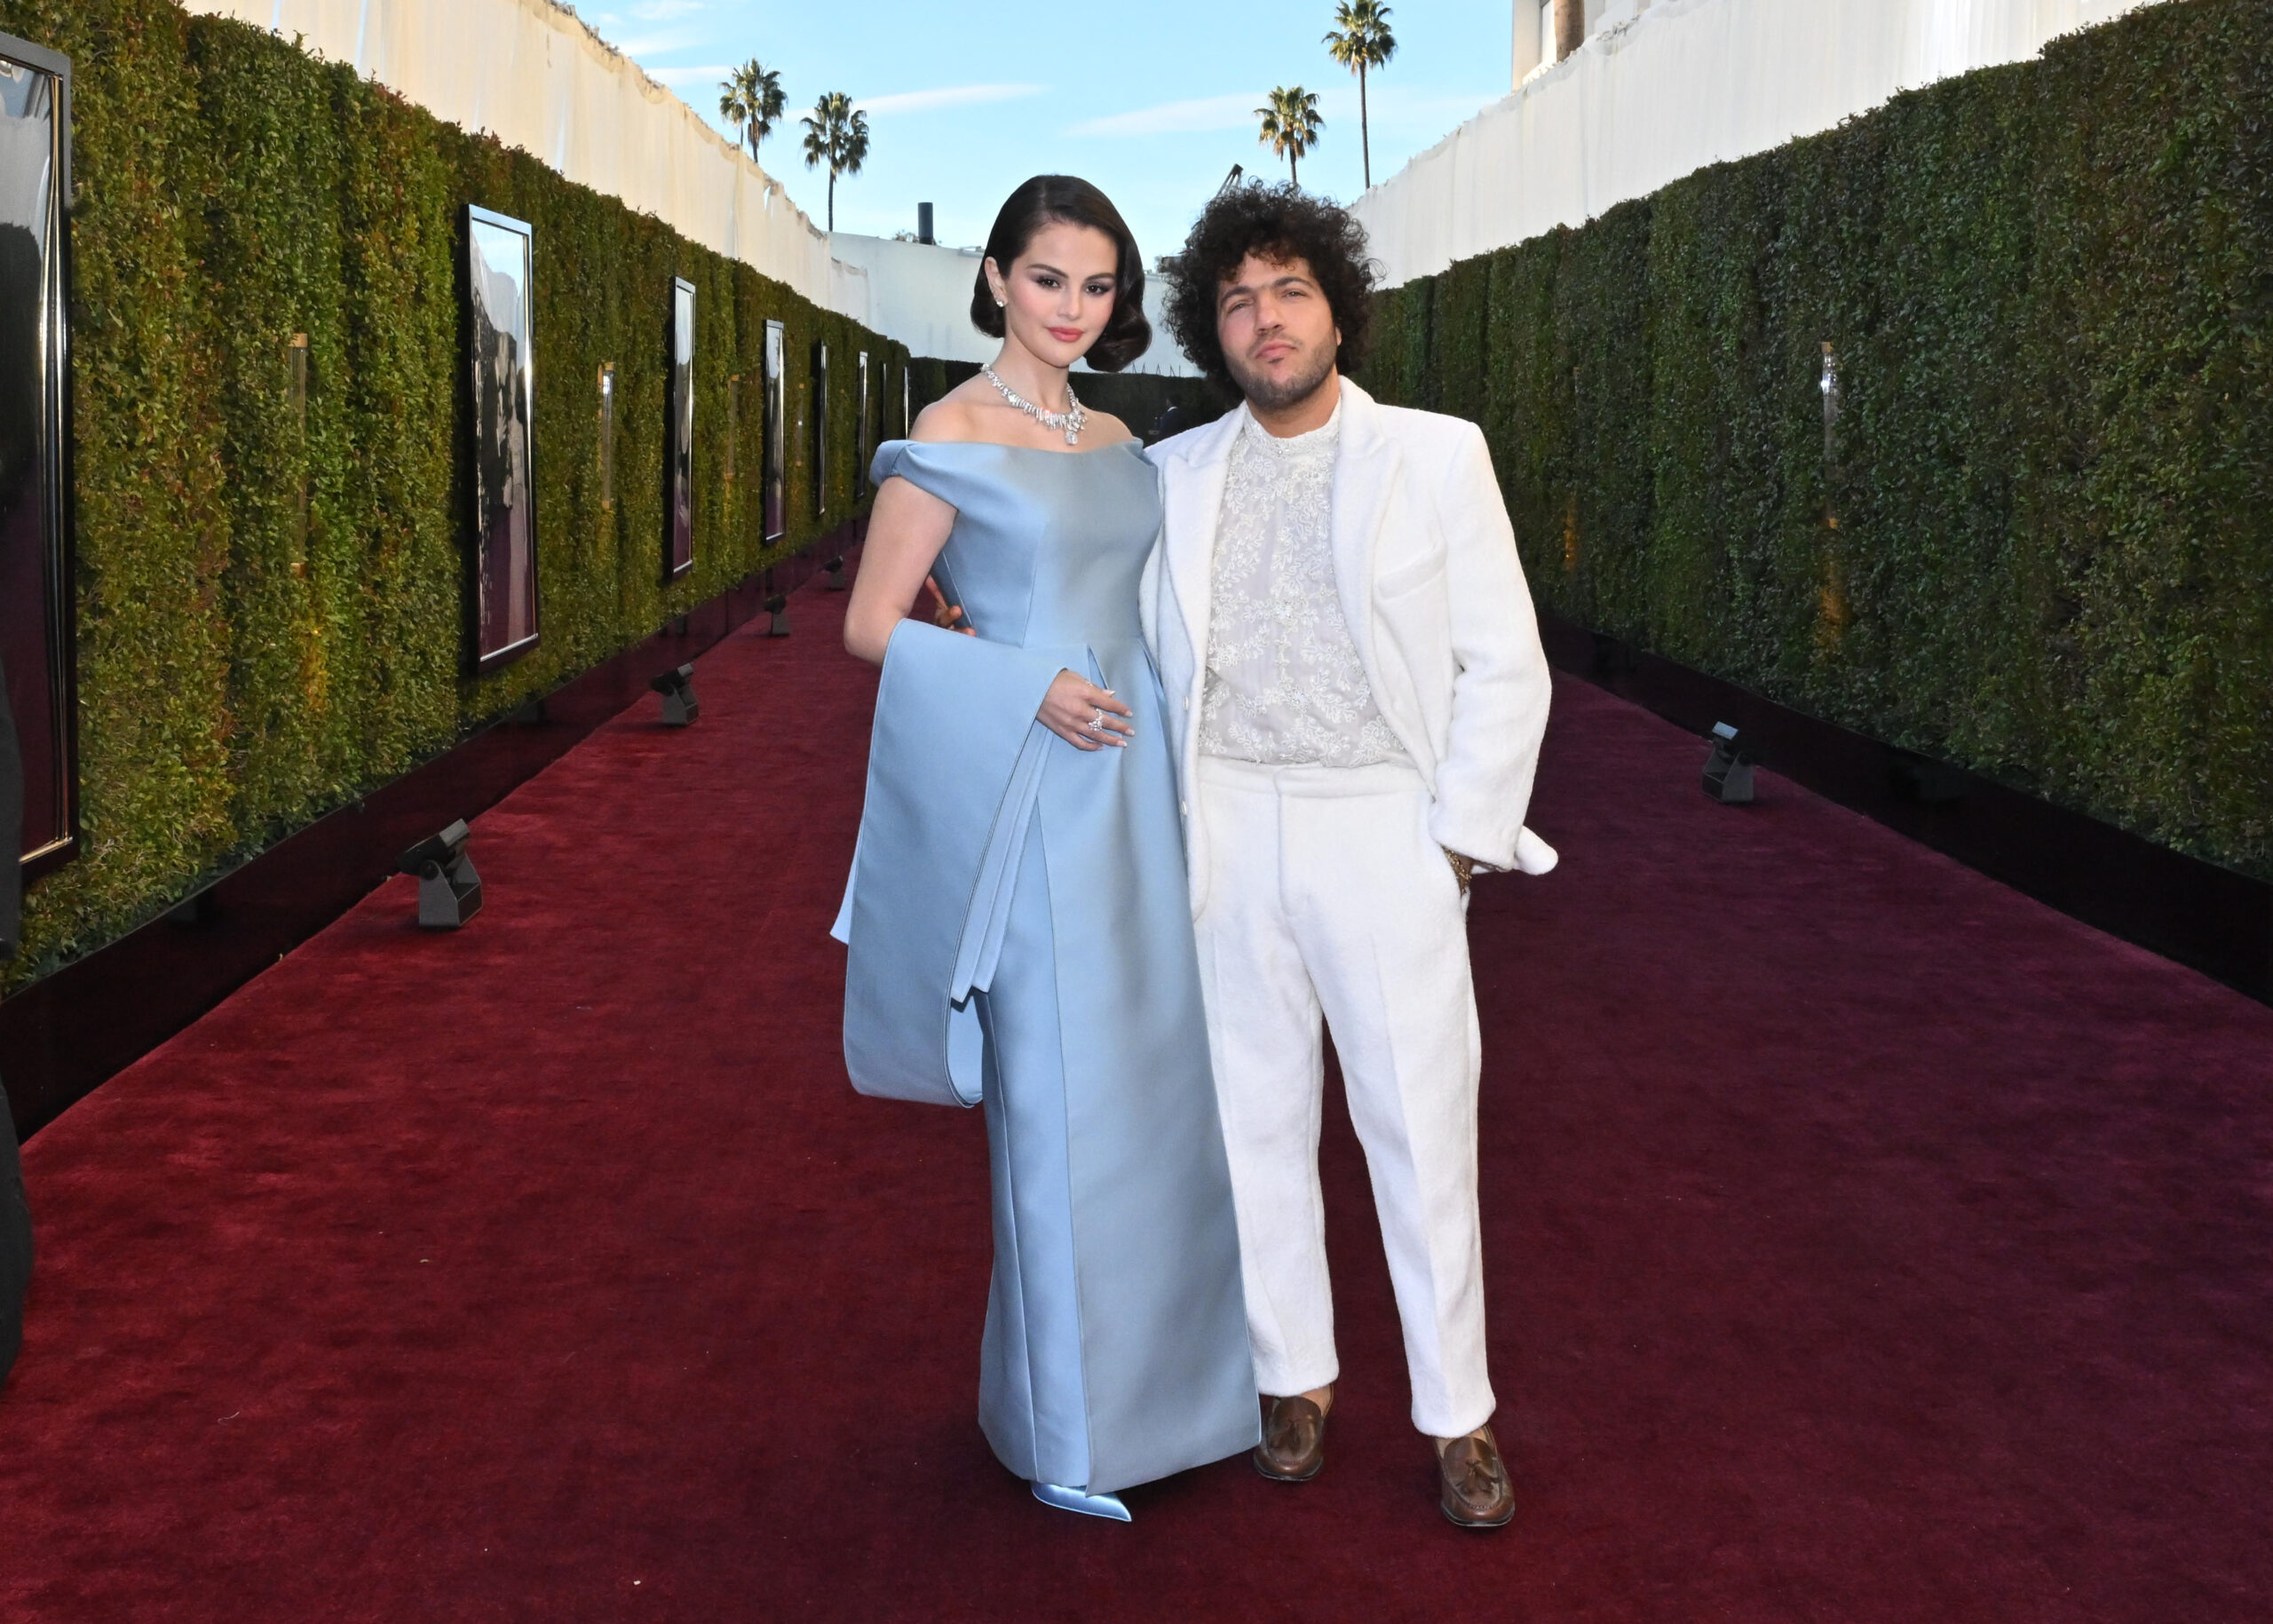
x,y
38,631
678,540
861,449
501,254
821,426
777,405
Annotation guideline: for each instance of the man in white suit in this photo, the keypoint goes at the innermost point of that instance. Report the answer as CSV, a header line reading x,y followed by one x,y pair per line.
x,y
1354,670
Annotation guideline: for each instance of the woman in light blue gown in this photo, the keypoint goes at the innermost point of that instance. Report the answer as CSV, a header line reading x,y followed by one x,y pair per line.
x,y
1018,919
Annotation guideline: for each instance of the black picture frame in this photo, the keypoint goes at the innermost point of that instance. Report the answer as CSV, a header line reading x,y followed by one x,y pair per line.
x,y
678,524
606,428
776,432
38,599
500,291
821,425
863,445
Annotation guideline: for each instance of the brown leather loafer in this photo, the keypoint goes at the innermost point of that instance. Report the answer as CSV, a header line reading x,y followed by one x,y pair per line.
x,y
1473,1478
1294,1441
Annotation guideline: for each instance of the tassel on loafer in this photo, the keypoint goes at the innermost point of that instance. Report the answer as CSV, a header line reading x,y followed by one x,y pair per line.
x,y
1473,1480
1293,1448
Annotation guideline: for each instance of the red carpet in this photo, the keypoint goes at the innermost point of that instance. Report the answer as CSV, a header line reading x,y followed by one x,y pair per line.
x,y
1865,1243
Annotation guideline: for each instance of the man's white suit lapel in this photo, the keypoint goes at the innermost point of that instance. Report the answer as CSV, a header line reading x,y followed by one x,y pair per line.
x,y
1365,471
1194,515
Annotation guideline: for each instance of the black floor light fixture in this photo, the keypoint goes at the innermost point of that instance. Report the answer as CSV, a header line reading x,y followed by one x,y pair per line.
x,y
777,611
1728,770
676,687
449,892
836,569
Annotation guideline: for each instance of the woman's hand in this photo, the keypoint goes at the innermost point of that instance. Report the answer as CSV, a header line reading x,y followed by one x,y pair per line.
x,y
1085,716
945,615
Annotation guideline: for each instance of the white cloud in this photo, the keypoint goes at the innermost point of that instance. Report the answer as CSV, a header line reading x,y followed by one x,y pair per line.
x,y
663,10
1178,117
947,96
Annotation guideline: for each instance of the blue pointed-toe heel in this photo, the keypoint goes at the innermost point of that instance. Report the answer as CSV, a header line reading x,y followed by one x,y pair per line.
x,y
1088,1505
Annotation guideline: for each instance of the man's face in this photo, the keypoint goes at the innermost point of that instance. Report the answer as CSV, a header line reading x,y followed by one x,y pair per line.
x,y
1276,330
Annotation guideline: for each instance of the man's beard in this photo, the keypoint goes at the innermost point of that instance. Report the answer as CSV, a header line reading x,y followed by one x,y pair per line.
x,y
1275,395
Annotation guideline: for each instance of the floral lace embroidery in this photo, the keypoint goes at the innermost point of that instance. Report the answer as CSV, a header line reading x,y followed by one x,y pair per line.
x,y
1284,685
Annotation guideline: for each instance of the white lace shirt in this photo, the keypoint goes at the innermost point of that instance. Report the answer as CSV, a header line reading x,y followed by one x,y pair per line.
x,y
1284,686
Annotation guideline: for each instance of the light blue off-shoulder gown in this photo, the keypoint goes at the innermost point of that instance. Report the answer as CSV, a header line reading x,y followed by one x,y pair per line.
x,y
1020,932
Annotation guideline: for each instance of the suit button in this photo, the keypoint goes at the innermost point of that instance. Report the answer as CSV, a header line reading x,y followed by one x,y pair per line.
x,y
1185,807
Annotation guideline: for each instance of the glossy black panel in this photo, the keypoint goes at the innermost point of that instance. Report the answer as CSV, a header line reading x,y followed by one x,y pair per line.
x,y
679,544
820,427
776,432
864,442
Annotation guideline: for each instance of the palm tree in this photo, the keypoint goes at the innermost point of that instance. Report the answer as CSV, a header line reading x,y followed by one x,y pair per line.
x,y
1362,40
836,133
750,99
1291,125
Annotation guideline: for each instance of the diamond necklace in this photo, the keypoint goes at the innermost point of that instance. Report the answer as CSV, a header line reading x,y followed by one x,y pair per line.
x,y
1073,419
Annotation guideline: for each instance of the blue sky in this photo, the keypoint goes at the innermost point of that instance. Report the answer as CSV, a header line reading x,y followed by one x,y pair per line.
x,y
1152,99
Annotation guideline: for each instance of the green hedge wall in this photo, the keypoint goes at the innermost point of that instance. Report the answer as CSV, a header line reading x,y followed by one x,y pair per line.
x,y
239,673
2038,539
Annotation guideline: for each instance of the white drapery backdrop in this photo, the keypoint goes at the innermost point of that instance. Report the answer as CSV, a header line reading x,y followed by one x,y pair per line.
x,y
1683,84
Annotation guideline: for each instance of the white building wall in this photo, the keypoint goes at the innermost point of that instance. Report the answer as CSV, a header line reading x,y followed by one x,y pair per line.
x,y
1163,359
1662,89
1528,34
921,295
918,293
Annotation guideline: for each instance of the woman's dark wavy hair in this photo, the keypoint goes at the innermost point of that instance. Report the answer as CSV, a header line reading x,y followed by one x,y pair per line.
x,y
1282,224
1067,199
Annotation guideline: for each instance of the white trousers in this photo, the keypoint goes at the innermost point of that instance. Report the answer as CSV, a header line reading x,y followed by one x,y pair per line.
x,y
1326,898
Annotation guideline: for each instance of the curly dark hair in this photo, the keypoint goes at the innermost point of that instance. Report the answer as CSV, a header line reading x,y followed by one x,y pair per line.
x,y
1282,224
1068,200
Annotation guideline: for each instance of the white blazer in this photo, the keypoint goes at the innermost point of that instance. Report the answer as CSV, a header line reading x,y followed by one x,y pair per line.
x,y
1426,568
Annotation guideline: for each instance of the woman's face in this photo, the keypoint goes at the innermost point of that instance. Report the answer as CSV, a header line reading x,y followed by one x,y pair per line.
x,y
1058,294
